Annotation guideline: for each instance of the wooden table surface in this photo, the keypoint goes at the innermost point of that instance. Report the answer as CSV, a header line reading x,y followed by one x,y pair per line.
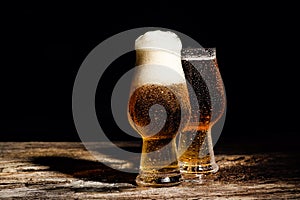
x,y
66,170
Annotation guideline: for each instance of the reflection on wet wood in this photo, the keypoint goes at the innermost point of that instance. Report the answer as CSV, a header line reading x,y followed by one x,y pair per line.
x,y
62,170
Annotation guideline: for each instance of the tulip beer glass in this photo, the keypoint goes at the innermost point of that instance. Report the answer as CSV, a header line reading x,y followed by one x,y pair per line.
x,y
195,146
158,106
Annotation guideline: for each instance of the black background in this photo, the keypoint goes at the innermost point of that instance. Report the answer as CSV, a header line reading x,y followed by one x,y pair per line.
x,y
257,50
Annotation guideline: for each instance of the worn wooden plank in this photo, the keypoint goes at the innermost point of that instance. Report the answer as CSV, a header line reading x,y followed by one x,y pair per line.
x,y
66,170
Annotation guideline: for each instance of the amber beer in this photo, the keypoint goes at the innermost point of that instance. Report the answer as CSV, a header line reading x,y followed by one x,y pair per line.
x,y
195,142
196,157
158,106
159,156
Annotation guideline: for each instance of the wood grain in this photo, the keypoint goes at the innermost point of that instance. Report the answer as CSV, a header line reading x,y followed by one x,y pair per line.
x,y
66,170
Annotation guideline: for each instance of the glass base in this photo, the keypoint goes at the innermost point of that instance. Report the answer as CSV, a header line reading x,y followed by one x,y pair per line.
x,y
192,173
159,180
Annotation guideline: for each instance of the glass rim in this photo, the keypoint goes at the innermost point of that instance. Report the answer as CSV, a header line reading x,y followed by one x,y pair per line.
x,y
198,53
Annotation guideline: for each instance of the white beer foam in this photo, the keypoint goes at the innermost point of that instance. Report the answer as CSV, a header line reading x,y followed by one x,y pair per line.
x,y
157,74
158,39
167,56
